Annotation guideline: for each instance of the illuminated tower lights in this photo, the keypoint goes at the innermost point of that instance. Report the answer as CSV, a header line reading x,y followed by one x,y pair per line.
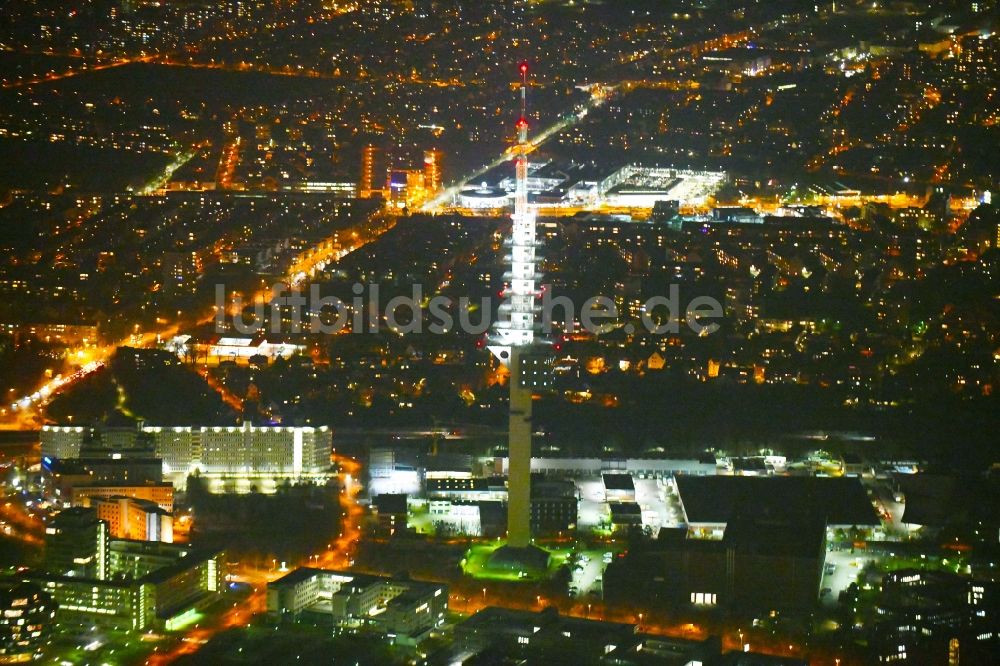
x,y
516,327
512,342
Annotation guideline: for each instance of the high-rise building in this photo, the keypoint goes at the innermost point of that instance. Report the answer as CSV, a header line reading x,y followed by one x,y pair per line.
x,y
432,171
137,519
372,178
86,442
256,455
243,450
76,544
62,441
162,494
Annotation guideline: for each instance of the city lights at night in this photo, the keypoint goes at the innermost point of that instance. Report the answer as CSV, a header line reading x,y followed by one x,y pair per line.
x,y
436,332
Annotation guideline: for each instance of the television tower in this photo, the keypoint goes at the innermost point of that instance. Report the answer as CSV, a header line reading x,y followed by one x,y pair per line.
x,y
513,340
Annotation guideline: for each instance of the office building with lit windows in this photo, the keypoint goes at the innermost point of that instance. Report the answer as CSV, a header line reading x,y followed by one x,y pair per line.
x,y
138,519
150,585
404,610
527,633
62,475
255,454
69,441
230,458
62,441
162,494
26,618
76,544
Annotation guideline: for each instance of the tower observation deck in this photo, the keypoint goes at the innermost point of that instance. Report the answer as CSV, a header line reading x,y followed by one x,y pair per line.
x,y
516,327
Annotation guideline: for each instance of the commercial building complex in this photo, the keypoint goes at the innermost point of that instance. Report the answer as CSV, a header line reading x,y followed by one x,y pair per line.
x,y
743,542
256,455
759,564
148,585
494,631
245,450
708,503
554,184
402,609
125,584
68,441
594,467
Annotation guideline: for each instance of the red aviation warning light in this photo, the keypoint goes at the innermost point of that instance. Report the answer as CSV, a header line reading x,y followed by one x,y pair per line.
x,y
524,68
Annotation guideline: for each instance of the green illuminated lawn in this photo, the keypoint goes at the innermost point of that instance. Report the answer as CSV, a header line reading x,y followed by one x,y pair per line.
x,y
954,564
186,619
117,647
477,558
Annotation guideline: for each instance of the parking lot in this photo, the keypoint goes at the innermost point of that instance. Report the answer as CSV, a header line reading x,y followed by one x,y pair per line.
x,y
842,568
588,573
658,508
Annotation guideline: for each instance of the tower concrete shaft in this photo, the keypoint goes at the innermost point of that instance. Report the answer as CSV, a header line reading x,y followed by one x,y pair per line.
x,y
519,457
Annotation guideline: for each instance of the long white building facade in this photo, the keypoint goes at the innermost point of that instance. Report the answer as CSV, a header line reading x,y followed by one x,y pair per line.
x,y
245,449
237,452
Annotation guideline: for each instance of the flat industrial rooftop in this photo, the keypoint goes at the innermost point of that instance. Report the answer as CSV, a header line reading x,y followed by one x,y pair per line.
x,y
716,499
